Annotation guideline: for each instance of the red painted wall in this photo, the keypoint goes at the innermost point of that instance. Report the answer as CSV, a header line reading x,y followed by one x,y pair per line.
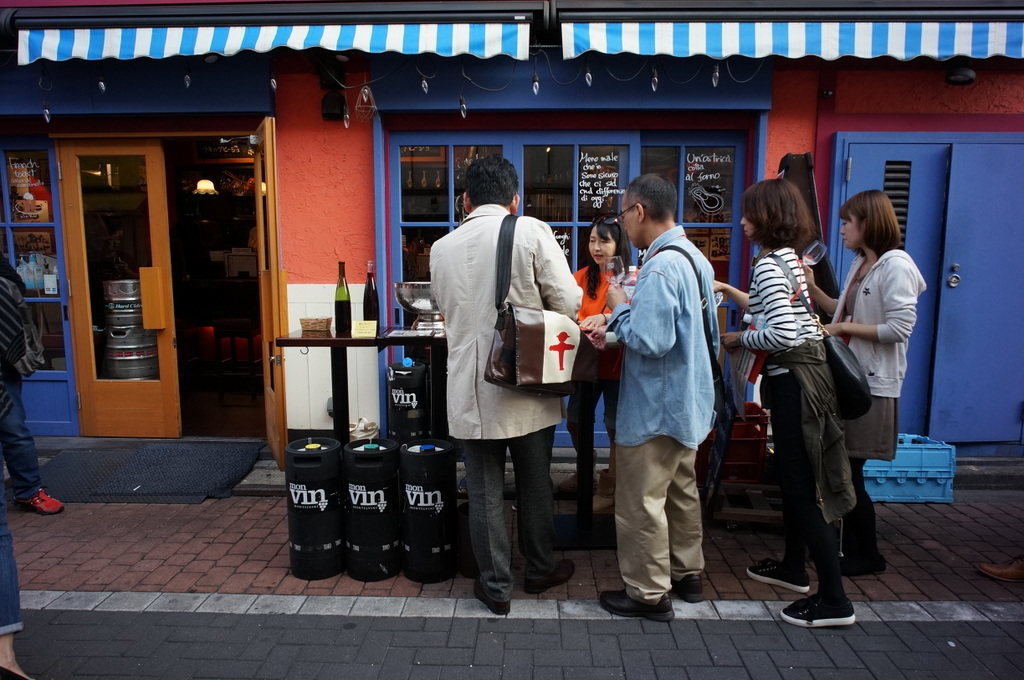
x,y
325,183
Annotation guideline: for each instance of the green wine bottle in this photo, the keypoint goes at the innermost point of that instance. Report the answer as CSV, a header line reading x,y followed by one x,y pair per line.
x,y
342,303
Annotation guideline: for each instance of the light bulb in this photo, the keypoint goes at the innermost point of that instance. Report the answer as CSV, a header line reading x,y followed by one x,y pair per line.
x,y
345,116
424,85
536,84
102,85
366,93
188,78
273,82
46,111
588,77
654,80
714,76
462,105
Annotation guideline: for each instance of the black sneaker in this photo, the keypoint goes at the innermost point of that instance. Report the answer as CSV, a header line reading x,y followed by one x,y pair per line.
x,y
771,571
810,612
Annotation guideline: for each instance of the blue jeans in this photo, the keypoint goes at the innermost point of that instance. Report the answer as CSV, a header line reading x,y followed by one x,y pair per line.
x,y
19,448
10,604
485,477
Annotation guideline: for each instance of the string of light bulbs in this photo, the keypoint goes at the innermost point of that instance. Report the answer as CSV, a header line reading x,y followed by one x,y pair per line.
x,y
366,107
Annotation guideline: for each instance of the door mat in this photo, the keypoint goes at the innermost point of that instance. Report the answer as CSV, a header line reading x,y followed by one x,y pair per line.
x,y
163,472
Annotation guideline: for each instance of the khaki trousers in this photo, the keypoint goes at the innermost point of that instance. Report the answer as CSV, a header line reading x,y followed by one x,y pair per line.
x,y
657,517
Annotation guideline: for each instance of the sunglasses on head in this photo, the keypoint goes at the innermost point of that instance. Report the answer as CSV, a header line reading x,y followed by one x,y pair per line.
x,y
617,219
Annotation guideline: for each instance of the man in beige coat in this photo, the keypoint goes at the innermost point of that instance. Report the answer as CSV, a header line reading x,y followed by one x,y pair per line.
x,y
488,419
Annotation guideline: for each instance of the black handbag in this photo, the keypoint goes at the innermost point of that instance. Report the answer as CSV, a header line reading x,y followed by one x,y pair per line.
x,y
534,351
852,390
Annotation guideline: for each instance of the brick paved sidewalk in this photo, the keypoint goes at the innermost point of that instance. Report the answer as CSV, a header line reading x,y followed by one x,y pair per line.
x,y
239,545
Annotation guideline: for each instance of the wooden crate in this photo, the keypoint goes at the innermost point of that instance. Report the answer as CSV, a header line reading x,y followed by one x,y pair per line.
x,y
760,503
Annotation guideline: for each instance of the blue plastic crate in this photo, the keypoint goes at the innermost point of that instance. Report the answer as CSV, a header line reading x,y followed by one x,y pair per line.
x,y
921,473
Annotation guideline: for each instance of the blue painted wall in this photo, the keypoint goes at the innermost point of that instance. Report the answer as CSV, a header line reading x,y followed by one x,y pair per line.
x,y
620,83
240,84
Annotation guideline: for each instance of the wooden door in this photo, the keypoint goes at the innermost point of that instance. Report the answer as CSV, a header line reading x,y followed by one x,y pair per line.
x,y
273,297
120,303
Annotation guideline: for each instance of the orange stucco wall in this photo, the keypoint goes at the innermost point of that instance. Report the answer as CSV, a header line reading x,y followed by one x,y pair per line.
x,y
793,118
797,106
325,186
909,92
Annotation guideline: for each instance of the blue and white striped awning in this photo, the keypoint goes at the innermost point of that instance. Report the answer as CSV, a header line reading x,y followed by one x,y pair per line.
x,y
828,40
481,40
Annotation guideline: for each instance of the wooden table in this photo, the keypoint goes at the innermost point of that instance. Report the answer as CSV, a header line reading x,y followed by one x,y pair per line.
x,y
582,530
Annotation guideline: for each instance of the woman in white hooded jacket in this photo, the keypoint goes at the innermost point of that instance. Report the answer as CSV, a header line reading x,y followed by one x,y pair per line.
x,y
875,312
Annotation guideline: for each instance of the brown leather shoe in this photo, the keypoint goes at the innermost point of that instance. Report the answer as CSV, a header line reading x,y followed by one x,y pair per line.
x,y
496,606
562,572
689,588
1012,571
619,602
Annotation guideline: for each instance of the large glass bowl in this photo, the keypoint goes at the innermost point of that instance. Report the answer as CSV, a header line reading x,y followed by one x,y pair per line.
x,y
415,298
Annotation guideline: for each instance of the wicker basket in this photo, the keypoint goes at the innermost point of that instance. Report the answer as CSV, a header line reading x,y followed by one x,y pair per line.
x,y
315,323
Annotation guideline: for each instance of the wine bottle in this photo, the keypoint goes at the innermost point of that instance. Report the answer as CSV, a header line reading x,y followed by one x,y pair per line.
x,y
342,303
371,303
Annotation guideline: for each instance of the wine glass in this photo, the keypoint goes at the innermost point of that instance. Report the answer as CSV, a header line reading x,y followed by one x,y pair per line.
x,y
814,253
615,269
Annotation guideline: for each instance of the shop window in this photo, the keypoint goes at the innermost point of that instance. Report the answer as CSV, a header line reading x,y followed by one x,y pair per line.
x,y
115,209
547,183
424,189
28,181
29,210
661,160
464,157
49,321
603,175
707,192
440,200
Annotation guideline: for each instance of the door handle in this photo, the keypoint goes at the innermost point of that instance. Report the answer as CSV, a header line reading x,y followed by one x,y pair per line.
x,y
953,281
155,308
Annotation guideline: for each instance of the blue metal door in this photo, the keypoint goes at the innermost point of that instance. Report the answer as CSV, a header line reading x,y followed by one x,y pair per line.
x,y
978,388
926,164
962,205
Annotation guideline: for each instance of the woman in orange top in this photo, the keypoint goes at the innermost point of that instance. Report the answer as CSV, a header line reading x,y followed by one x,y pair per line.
x,y
607,238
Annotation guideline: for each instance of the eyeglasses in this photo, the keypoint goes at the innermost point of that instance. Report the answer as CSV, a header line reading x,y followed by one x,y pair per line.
x,y
617,219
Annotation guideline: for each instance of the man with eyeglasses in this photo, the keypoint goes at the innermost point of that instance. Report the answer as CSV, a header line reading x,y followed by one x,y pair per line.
x,y
666,407
490,420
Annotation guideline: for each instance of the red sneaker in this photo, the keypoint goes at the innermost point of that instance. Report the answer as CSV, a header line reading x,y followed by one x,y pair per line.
x,y
41,502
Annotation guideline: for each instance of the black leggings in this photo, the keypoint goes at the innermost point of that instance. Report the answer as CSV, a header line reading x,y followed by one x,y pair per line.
x,y
859,535
804,525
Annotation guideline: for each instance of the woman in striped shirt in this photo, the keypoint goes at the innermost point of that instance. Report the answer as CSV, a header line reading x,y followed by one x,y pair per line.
x,y
813,470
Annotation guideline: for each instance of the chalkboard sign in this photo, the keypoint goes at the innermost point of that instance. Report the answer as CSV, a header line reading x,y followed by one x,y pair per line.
x,y
709,181
601,177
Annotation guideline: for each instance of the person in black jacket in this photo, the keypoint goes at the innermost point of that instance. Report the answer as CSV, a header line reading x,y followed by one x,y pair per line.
x,y
19,447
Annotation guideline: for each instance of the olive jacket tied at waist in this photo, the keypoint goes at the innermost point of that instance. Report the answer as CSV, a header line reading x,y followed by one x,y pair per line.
x,y
822,427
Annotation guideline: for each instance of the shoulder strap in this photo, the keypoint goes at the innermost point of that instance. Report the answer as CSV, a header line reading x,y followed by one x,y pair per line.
x,y
703,300
793,282
503,260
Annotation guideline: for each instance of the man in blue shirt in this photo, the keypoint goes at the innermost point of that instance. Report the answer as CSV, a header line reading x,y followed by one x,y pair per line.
x,y
666,408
